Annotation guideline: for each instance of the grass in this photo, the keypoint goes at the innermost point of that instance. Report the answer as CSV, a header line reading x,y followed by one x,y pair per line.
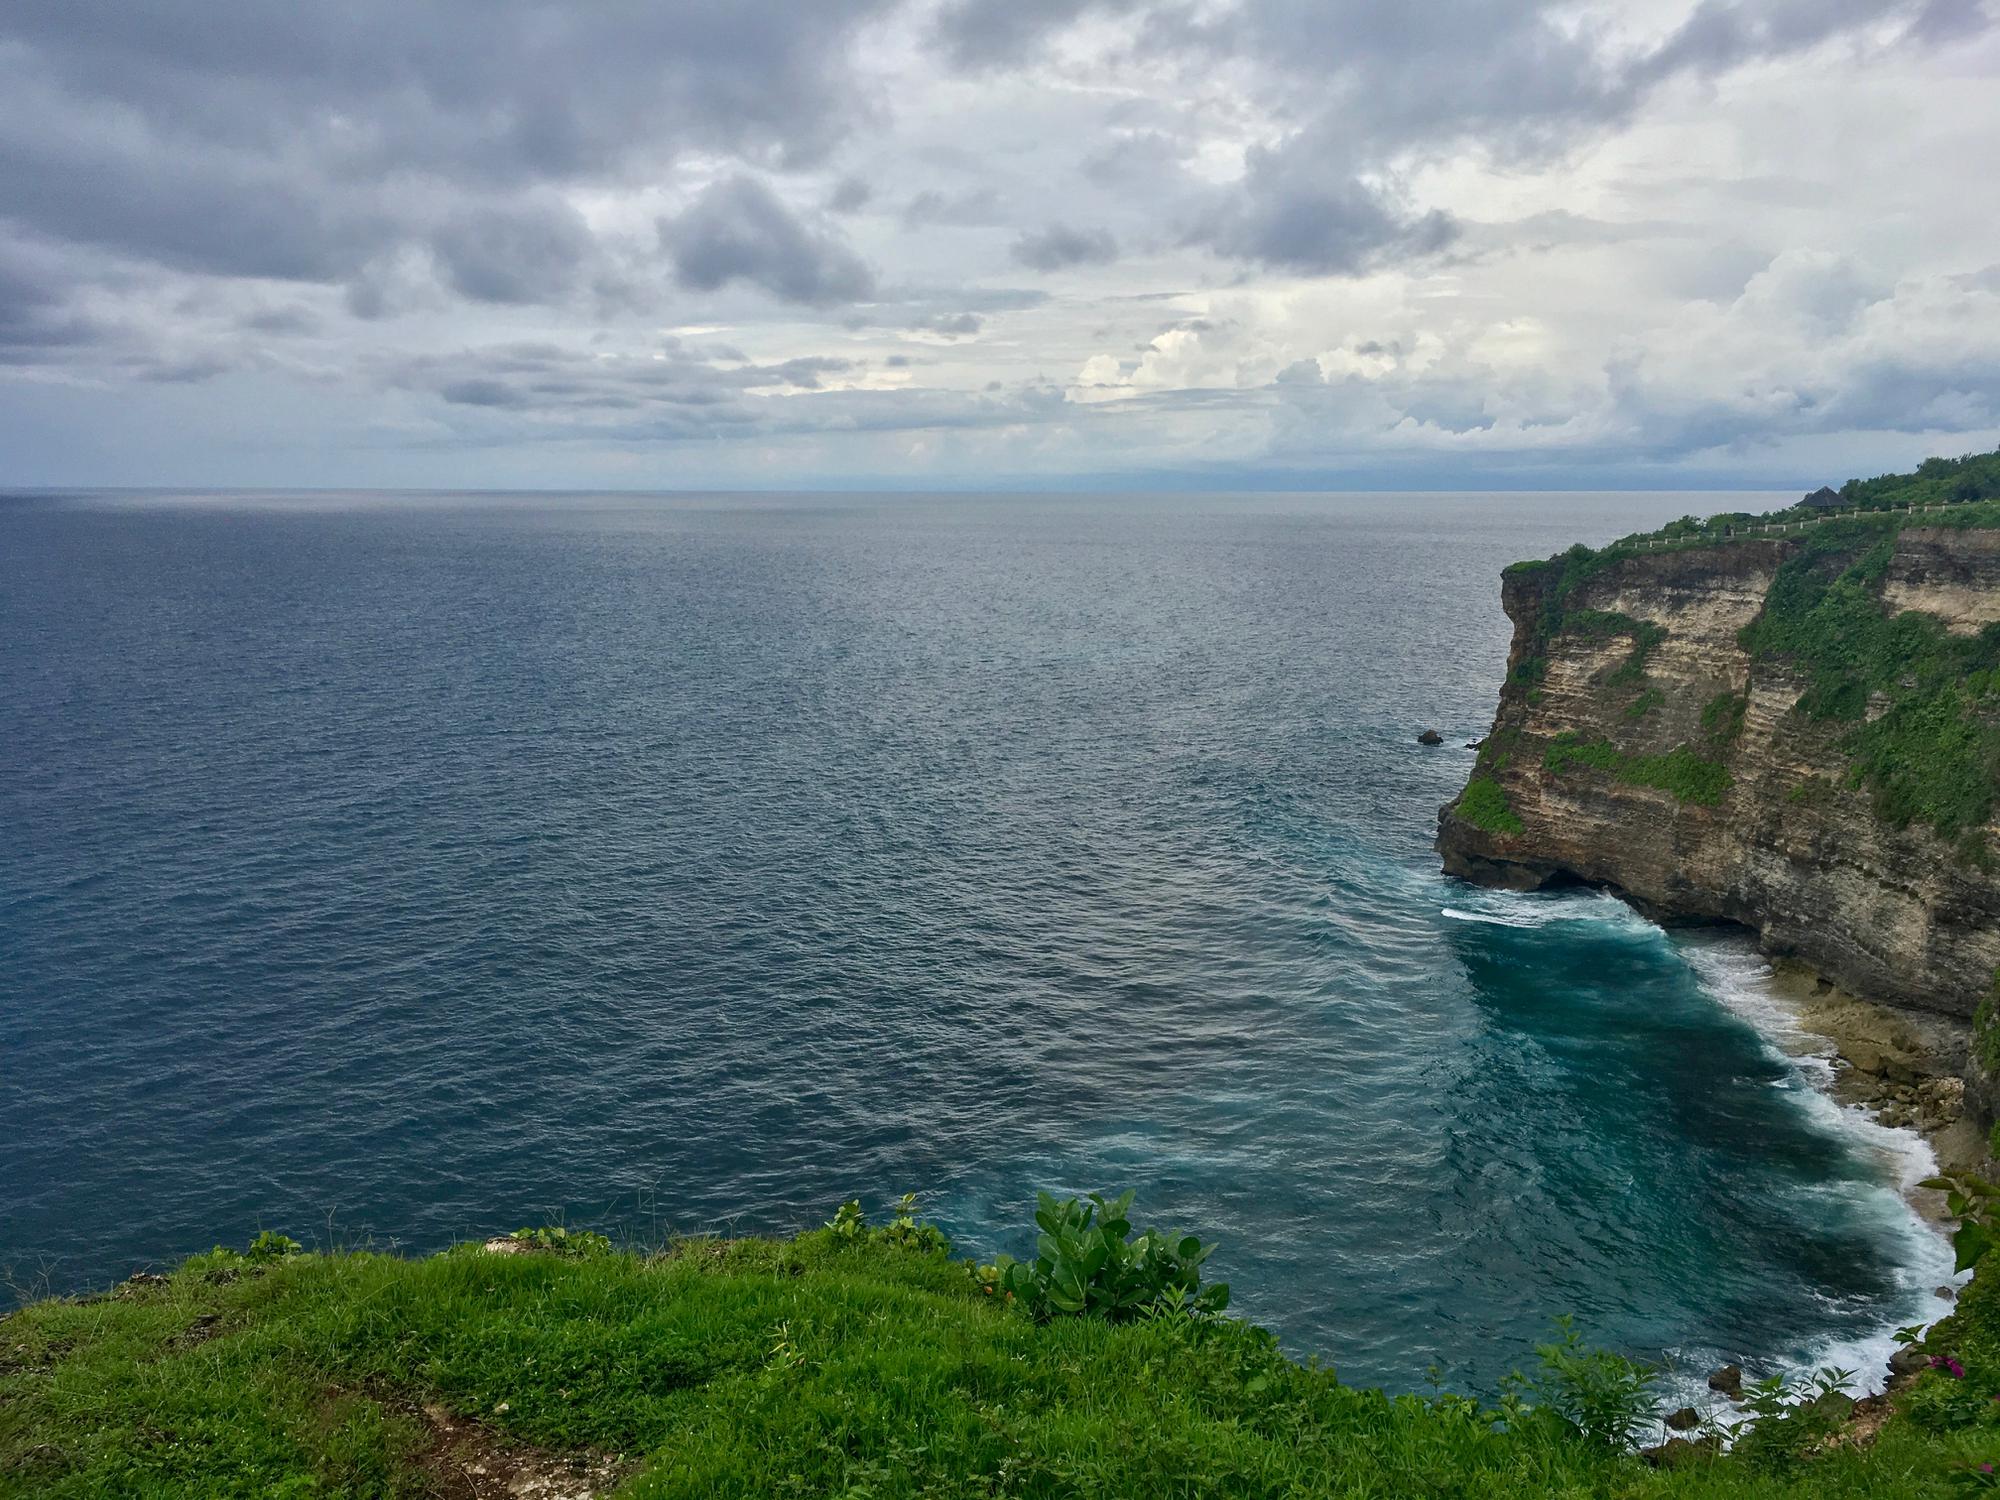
x,y
1485,805
1688,776
808,1367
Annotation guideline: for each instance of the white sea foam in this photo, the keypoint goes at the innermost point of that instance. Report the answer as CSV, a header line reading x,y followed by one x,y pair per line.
x,y
1737,976
1538,909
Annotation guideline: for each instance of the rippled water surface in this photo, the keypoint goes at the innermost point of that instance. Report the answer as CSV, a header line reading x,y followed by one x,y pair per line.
x,y
414,867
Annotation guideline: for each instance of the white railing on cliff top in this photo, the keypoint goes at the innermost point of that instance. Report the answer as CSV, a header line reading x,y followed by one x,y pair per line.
x,y
1701,538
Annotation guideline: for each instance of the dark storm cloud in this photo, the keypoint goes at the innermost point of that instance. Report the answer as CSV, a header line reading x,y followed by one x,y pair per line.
x,y
35,320
240,138
1291,215
738,230
1060,246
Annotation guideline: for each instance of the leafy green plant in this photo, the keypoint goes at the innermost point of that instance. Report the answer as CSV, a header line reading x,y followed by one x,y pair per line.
x,y
270,1245
1088,1262
848,1221
558,1240
1600,1394
904,1229
1791,1419
1975,1203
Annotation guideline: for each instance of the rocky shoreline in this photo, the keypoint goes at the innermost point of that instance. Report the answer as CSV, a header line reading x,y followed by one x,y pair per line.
x,y
1907,1068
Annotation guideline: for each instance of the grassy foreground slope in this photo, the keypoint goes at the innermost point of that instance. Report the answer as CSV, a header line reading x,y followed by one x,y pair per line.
x,y
818,1366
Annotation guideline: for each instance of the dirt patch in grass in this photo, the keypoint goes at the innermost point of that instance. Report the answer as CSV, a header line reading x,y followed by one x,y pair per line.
x,y
468,1461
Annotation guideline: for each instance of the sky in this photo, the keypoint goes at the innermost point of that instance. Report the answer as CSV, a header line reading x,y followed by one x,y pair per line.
x,y
969,244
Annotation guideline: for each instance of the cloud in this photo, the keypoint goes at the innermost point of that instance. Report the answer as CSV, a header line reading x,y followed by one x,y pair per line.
x,y
36,321
738,230
530,253
1289,213
994,33
980,206
1365,84
223,137
850,195
1566,228
950,325
1059,246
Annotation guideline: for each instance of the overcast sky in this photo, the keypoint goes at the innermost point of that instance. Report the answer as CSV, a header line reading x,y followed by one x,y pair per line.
x,y
1301,243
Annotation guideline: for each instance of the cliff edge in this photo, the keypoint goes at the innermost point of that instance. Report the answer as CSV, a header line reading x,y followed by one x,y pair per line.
x,y
1792,723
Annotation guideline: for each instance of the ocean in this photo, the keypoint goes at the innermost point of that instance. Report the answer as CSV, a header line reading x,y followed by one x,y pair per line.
x,y
395,869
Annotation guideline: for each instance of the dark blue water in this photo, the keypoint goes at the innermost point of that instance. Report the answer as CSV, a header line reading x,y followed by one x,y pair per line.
x,y
407,869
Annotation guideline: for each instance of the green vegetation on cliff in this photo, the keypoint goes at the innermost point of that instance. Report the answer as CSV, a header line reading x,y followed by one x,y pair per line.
x,y
1932,752
1968,486
1485,805
1682,772
1922,703
853,1361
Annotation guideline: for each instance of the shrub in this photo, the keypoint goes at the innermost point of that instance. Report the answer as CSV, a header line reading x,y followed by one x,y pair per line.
x,y
1089,1263
1792,1419
1602,1395
903,1230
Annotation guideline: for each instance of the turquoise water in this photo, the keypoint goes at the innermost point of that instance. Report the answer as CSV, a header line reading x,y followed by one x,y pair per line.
x,y
399,869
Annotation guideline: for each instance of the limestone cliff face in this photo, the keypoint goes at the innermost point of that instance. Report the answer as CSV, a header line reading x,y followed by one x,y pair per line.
x,y
1680,769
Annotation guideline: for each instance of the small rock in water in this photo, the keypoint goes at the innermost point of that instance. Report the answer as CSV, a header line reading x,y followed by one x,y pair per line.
x,y
1729,1381
1430,737
1475,744
1684,1420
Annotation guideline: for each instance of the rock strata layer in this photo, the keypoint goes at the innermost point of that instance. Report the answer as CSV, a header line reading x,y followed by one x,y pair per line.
x,y
1648,740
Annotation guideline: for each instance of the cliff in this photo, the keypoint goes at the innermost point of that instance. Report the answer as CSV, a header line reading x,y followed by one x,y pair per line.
x,y
1797,730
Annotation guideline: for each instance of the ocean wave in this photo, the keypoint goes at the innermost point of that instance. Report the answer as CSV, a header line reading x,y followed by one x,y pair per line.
x,y
1731,971
1532,910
